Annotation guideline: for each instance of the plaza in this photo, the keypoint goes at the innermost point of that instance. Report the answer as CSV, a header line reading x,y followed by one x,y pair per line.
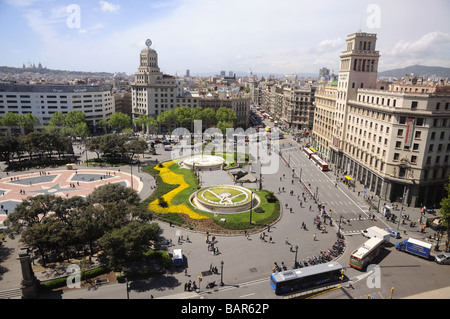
x,y
60,182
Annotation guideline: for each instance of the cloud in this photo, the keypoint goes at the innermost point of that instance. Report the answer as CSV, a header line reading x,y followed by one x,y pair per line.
x,y
106,6
328,45
426,45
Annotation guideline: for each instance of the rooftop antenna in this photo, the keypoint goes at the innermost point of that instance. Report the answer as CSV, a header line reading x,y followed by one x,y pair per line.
x,y
360,23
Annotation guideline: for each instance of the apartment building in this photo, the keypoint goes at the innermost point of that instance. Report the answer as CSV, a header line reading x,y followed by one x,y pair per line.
x,y
42,100
395,140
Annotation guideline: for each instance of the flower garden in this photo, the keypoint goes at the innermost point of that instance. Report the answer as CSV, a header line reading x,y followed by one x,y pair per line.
x,y
171,201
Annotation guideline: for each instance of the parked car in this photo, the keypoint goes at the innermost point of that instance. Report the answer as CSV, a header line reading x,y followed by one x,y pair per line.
x,y
394,233
443,259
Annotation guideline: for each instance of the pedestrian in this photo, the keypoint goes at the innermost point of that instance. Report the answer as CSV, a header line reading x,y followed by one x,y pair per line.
x,y
270,239
314,237
286,241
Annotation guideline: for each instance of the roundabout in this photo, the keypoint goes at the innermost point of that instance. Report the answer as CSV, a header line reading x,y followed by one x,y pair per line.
x,y
225,199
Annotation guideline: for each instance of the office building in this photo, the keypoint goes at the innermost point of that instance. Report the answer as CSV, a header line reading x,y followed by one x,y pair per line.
x,y
394,139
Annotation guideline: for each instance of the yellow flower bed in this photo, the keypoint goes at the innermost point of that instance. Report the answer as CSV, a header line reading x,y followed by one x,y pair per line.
x,y
170,177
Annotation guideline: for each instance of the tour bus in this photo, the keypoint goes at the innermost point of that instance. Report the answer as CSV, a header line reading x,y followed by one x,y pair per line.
x,y
306,277
308,152
320,163
364,254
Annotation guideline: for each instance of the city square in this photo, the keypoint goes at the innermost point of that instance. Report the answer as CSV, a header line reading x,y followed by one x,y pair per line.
x,y
316,167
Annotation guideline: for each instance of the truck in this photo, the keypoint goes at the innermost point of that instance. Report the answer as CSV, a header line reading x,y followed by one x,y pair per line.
x,y
375,231
177,257
415,247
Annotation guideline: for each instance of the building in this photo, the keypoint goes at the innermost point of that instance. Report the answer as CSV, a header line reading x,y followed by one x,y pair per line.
x,y
239,104
152,92
42,100
394,139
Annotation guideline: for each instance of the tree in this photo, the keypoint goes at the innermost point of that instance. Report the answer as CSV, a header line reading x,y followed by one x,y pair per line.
x,y
29,213
11,120
445,210
184,116
209,116
118,121
223,125
114,193
168,119
128,243
28,122
141,121
136,146
225,114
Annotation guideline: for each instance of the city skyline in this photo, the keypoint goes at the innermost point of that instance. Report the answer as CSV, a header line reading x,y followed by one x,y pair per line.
x,y
210,36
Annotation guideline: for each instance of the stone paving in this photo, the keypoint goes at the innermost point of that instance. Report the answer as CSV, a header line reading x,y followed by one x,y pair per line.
x,y
65,183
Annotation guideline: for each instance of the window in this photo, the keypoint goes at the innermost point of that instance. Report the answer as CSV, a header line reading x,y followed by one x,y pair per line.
x,y
398,144
396,156
400,133
430,148
415,147
418,134
414,104
414,159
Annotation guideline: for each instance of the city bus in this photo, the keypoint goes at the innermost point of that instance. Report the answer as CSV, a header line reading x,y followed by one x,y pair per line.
x,y
307,152
320,163
364,254
308,277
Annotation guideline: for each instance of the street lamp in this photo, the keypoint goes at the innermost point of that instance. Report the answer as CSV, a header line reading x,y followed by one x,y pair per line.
x,y
221,273
251,207
295,261
401,212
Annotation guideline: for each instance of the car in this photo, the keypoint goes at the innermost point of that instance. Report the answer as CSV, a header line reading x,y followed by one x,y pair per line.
x,y
394,233
443,259
168,148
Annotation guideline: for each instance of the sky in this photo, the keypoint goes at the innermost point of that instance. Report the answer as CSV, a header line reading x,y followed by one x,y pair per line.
x,y
264,36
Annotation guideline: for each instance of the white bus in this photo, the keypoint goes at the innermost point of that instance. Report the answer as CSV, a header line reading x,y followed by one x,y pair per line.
x,y
363,255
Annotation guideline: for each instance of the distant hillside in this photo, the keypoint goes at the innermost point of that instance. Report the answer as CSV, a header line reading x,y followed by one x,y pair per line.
x,y
8,69
418,70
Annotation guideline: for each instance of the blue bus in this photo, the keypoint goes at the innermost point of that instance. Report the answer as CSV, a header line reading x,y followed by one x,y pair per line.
x,y
307,277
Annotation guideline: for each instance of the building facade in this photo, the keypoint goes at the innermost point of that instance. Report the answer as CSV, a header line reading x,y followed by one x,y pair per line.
x,y
395,140
43,100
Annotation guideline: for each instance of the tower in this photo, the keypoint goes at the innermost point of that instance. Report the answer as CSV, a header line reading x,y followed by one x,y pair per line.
x,y
358,69
152,92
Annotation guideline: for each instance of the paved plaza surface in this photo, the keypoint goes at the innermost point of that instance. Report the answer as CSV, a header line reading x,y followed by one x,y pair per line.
x,y
65,183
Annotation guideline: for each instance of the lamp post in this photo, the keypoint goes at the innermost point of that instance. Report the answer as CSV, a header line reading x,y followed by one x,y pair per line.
x,y
221,273
251,207
295,261
401,211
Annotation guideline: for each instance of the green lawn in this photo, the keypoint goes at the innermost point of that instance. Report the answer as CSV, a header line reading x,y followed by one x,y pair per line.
x,y
238,221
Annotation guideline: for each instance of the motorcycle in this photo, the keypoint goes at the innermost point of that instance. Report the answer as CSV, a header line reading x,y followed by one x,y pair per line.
x,y
211,285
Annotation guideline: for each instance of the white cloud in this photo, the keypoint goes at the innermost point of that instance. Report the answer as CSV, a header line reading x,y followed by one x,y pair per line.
x,y
426,45
106,6
329,45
